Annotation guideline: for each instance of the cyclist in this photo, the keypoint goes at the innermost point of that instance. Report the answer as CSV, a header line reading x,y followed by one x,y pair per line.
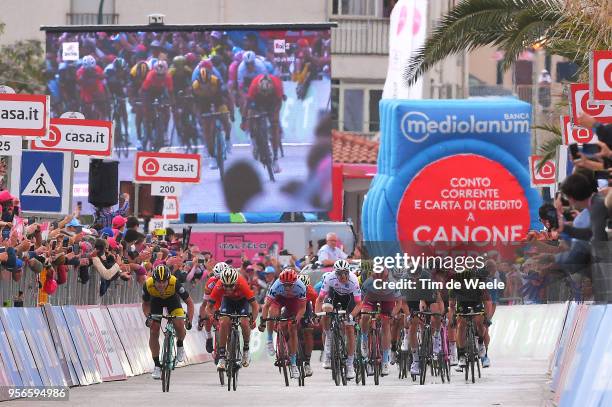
x,y
375,296
157,85
443,276
266,95
90,78
234,295
163,290
340,287
290,293
138,73
181,73
248,69
211,97
203,320
307,331
417,298
116,74
183,112
66,78
460,300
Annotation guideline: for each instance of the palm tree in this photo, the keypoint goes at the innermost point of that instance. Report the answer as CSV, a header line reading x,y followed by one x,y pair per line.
x,y
569,28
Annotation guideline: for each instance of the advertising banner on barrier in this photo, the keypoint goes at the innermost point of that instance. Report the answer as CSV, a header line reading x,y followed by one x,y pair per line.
x,y
41,345
9,368
234,245
104,351
84,351
134,317
21,351
120,349
128,337
584,375
66,354
170,167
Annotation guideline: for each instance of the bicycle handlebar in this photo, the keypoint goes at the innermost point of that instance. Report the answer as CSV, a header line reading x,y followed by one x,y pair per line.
x,y
234,316
278,319
323,313
470,314
435,314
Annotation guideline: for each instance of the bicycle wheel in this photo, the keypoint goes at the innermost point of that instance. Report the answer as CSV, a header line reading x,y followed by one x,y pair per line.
x,y
375,357
221,377
231,360
478,365
423,355
263,149
335,360
166,364
220,151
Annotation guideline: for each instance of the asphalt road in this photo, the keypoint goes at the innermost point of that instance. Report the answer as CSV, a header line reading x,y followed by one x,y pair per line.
x,y
506,383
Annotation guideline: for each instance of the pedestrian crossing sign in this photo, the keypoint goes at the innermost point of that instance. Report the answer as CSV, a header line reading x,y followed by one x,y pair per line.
x,y
46,182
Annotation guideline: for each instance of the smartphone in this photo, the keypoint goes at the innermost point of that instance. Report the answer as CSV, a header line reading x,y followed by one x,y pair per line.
x,y
149,238
200,261
104,236
80,205
65,242
76,248
69,249
590,150
53,244
6,233
573,148
602,175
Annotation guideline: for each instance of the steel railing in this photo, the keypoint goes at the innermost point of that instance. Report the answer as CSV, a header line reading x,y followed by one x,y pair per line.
x,y
91,18
360,36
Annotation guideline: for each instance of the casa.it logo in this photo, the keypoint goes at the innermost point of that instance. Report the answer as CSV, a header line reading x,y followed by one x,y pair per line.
x,y
150,166
604,75
55,136
417,126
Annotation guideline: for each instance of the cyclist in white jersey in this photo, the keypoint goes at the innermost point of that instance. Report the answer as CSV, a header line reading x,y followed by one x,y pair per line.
x,y
340,290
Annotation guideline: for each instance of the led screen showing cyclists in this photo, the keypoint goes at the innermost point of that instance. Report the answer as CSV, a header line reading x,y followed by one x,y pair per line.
x,y
255,104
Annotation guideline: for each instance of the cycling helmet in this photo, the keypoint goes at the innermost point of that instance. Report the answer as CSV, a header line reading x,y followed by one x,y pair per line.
x,y
120,64
179,61
302,43
216,34
162,67
265,85
89,62
219,267
249,57
161,273
140,70
288,276
229,276
236,49
304,278
155,44
205,63
341,265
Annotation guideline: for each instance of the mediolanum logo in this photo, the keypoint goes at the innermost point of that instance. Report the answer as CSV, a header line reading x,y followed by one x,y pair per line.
x,y
417,126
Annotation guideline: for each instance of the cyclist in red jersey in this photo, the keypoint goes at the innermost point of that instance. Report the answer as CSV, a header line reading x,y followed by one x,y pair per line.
x,y
203,320
232,291
266,95
90,78
158,84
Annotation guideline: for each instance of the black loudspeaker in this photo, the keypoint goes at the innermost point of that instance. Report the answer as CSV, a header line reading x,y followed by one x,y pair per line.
x,y
103,183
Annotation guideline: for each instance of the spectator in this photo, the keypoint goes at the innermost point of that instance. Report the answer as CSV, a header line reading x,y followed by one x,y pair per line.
x,y
579,191
330,252
104,216
18,300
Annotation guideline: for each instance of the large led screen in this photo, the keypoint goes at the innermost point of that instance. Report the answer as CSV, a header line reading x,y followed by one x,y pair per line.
x,y
254,104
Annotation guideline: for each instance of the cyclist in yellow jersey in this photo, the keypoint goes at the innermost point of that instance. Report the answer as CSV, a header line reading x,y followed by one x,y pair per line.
x,y
163,290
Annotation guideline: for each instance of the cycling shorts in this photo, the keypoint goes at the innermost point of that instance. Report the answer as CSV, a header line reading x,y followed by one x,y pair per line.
x,y
292,305
413,306
345,302
230,306
173,304
386,307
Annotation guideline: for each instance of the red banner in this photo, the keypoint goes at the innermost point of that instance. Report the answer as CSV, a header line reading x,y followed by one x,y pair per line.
x,y
232,245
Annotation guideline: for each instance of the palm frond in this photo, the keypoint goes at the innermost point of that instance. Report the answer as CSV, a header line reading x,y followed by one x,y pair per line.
x,y
548,150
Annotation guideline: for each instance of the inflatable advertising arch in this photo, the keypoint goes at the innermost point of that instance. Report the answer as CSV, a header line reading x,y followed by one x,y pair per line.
x,y
452,170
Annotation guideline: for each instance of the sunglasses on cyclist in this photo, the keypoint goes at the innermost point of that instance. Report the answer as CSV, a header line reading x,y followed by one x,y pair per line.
x,y
288,284
342,272
229,287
